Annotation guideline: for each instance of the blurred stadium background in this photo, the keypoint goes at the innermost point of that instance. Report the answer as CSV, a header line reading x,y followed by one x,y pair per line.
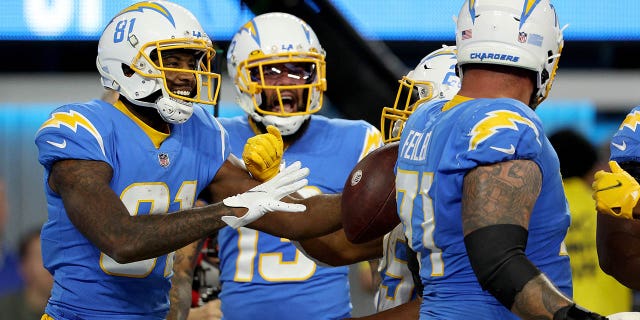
x,y
48,49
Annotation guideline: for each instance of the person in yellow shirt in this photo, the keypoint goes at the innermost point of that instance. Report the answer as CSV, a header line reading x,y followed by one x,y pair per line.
x,y
592,288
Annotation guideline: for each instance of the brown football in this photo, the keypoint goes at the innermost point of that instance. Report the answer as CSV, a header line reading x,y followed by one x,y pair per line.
x,y
369,196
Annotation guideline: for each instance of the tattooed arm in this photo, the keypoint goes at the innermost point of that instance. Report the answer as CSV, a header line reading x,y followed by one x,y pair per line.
x,y
99,214
182,281
504,194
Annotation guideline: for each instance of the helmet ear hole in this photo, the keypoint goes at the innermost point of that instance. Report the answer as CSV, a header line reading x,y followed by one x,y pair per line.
x,y
544,76
415,95
128,72
153,55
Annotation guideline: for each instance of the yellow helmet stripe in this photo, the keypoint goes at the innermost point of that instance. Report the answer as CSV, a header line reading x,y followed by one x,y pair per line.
x,y
472,10
527,9
253,31
151,6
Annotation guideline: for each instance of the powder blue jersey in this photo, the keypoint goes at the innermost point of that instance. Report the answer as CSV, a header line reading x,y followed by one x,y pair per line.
x,y
439,145
88,284
625,144
396,286
266,277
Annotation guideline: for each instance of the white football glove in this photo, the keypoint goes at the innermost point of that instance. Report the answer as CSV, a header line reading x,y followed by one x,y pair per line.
x,y
266,197
624,316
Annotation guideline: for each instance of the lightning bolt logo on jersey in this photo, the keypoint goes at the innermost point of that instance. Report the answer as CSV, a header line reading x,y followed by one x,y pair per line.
x,y
72,120
495,121
458,136
625,143
88,283
279,281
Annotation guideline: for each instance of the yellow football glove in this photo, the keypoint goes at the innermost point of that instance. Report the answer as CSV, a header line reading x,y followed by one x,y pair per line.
x,y
615,192
262,154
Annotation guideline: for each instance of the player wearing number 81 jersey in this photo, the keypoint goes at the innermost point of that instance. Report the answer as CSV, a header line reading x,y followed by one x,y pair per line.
x,y
152,181
121,174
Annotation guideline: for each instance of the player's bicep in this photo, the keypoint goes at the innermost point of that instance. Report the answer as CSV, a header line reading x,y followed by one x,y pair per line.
x,y
88,198
500,193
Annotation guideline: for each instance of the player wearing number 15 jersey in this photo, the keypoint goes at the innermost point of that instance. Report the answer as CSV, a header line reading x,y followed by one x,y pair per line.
x,y
277,65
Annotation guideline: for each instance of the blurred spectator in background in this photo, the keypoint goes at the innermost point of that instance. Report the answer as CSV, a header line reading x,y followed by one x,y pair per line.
x,y
592,288
10,280
28,303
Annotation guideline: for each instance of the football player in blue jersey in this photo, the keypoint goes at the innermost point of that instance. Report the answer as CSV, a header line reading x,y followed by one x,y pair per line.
x,y
277,65
478,184
434,78
616,194
113,170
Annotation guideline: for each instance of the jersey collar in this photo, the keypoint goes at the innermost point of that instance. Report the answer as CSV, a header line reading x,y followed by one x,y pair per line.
x,y
458,99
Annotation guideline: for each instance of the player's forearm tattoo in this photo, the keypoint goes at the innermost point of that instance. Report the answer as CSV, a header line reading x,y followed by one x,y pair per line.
x,y
179,229
502,193
180,294
106,222
539,299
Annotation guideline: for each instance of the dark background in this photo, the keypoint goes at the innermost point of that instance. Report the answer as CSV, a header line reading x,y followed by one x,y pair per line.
x,y
362,78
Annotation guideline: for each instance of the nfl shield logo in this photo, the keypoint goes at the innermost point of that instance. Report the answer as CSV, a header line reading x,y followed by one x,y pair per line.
x,y
163,158
522,37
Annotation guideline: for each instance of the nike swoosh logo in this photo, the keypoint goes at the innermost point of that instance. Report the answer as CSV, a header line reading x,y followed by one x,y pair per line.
x,y
60,145
510,150
618,185
621,147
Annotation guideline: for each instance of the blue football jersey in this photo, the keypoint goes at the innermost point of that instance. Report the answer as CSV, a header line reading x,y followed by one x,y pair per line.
x,y
266,277
88,284
439,145
396,286
625,144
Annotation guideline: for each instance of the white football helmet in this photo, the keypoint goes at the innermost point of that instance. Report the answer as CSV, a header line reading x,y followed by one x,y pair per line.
x,y
434,78
518,33
264,42
141,33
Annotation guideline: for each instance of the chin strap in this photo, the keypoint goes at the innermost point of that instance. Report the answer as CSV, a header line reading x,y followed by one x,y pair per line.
x,y
174,111
287,125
